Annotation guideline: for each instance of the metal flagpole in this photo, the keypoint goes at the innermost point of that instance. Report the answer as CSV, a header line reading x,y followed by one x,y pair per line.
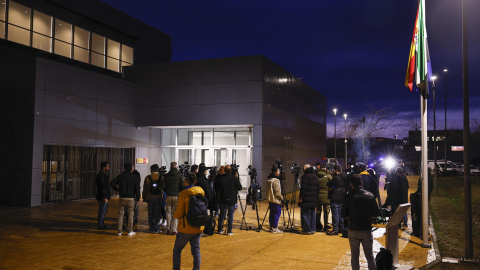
x,y
423,108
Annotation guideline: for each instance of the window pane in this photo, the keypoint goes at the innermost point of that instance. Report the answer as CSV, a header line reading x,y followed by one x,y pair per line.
x,y
2,31
242,138
62,48
168,136
81,38
113,49
42,23
63,31
168,155
19,35
113,64
98,60
127,54
2,9
19,15
224,138
98,43
80,54
42,42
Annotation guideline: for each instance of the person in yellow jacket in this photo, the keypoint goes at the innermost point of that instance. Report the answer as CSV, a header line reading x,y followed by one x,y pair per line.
x,y
186,232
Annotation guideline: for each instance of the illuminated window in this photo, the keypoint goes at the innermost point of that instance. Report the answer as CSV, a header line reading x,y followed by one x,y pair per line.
x,y
113,53
19,27
42,31
63,38
98,50
81,42
127,55
2,18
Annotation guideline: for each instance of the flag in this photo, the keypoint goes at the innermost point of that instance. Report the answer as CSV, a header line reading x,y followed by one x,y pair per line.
x,y
421,57
411,58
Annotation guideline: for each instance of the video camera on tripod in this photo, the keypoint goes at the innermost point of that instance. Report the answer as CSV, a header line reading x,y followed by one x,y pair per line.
x,y
255,190
279,165
184,168
295,169
162,171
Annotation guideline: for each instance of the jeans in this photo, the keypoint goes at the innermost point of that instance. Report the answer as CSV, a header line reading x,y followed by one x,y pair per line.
x,y
154,213
102,211
223,212
171,202
366,238
337,220
123,203
325,208
308,219
275,212
180,242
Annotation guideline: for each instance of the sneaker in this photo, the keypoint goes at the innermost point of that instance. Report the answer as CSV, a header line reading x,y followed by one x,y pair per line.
x,y
119,233
230,233
131,233
276,230
221,232
332,233
327,227
164,223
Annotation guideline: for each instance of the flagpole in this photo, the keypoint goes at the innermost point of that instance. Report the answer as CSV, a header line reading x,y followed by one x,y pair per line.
x,y
423,107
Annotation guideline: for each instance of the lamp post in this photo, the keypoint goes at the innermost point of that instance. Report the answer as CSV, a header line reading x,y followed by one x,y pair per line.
x,y
335,135
346,162
445,135
435,138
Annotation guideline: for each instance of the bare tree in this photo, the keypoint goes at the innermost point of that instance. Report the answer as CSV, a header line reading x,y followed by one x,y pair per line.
x,y
376,121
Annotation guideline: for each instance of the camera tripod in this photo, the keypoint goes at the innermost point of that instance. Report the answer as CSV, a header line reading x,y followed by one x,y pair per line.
x,y
293,203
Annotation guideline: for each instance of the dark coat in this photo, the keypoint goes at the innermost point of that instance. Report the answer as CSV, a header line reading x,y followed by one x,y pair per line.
x,y
359,207
172,182
403,186
370,183
128,185
203,182
337,188
309,188
228,187
103,187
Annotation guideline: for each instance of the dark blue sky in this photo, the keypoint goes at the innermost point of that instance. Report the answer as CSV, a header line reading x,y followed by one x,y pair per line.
x,y
354,52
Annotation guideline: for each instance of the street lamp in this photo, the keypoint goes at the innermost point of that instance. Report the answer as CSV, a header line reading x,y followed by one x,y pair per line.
x,y
335,135
445,134
435,137
346,163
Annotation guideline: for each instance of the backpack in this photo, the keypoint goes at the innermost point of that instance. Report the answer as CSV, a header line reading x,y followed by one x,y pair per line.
x,y
154,186
197,214
210,226
384,259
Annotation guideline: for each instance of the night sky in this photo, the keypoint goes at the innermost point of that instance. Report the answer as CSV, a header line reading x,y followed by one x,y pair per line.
x,y
353,52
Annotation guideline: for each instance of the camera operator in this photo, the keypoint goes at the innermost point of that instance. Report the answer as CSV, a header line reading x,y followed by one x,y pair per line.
x,y
274,198
309,188
220,174
228,187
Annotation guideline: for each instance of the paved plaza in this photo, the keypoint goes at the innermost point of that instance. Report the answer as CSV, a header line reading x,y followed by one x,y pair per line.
x,y
65,236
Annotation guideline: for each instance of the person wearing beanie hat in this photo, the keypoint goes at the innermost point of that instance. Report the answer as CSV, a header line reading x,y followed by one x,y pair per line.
x,y
153,195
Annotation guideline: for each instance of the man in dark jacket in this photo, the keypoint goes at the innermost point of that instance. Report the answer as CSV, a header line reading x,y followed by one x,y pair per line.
x,y
103,194
402,192
336,189
172,185
309,188
128,188
227,190
153,195
359,207
370,182
203,182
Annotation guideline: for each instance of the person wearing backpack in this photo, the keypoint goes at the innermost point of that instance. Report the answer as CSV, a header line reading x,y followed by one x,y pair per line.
x,y
186,231
153,195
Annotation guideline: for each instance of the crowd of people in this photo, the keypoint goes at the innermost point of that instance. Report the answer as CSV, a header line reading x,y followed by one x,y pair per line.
x,y
351,198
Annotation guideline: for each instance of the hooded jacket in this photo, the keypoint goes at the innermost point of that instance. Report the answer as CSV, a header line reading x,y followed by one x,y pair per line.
x,y
182,210
309,188
323,178
172,182
228,188
337,188
274,191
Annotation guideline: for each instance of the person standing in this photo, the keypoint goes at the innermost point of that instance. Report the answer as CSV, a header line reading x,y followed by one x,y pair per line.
x,y
359,208
402,192
153,195
186,232
337,191
228,188
103,193
274,198
323,202
129,190
172,184
203,182
309,188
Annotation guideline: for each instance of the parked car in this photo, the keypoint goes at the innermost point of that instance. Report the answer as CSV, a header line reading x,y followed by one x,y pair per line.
x,y
473,170
443,167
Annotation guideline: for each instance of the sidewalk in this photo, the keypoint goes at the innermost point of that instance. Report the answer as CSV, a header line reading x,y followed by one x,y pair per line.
x,y
65,236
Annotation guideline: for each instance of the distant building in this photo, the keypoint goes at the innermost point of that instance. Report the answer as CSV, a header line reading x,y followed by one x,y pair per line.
x,y
84,83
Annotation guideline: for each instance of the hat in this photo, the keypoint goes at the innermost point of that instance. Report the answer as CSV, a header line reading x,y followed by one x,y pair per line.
x,y
154,168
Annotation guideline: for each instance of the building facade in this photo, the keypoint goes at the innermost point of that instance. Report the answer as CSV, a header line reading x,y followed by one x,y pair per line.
x,y
84,83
